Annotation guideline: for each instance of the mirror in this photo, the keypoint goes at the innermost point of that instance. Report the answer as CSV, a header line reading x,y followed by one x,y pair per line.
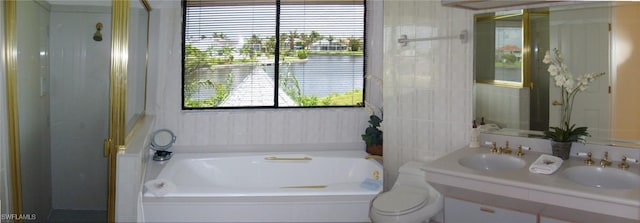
x,y
137,65
505,30
593,37
162,139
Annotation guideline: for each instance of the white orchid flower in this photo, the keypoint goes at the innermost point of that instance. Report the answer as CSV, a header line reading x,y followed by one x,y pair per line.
x,y
553,70
582,87
560,79
564,79
367,107
547,58
569,85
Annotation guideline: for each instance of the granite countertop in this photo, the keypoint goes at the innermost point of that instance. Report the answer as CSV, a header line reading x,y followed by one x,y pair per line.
x,y
552,189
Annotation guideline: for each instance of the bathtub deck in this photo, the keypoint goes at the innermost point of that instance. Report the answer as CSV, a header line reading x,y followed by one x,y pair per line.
x,y
242,198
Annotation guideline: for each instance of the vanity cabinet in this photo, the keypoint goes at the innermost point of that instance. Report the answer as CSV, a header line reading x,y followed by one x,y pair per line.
x,y
552,220
460,211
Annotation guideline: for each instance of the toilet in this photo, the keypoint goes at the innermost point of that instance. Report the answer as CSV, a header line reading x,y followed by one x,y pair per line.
x,y
410,200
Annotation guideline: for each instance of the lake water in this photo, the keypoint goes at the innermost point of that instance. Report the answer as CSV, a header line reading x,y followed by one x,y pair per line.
x,y
319,75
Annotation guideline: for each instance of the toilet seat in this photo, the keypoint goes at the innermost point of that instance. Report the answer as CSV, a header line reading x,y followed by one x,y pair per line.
x,y
400,200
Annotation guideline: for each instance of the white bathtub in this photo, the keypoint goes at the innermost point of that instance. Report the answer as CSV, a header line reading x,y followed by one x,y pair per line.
x,y
252,187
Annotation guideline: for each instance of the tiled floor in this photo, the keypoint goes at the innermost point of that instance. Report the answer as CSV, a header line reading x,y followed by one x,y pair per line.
x,y
71,216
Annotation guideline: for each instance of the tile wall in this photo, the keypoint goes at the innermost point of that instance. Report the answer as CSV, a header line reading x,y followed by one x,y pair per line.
x,y
238,126
79,111
427,84
427,91
506,107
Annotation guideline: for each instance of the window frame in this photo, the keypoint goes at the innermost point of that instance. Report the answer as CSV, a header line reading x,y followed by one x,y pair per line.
x,y
525,79
365,63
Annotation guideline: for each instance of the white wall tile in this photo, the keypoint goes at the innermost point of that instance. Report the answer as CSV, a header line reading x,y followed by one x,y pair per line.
x,y
239,127
79,109
427,83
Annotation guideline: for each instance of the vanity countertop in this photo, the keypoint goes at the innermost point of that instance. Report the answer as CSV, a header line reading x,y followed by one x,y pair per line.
x,y
552,189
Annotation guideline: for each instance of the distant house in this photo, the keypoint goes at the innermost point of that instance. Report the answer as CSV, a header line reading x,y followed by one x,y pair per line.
x,y
326,45
218,43
509,49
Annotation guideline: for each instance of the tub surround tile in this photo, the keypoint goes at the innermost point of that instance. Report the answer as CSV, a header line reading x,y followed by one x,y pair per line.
x,y
242,126
130,170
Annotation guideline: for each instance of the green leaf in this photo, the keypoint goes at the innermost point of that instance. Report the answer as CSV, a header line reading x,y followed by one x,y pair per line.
x,y
567,133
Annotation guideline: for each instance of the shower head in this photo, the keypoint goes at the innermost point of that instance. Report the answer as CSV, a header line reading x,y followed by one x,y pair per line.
x,y
98,36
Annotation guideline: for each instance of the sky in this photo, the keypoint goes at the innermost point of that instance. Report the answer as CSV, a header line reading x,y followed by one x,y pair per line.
x,y
508,36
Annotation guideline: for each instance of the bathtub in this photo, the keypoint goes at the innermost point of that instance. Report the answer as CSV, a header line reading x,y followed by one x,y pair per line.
x,y
263,187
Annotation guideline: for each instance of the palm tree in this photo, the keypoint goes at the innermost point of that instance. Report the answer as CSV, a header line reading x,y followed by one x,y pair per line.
x,y
247,52
315,36
306,40
219,35
270,45
292,39
283,37
254,39
227,51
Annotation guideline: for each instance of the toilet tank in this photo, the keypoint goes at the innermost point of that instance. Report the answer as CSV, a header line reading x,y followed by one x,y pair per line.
x,y
411,174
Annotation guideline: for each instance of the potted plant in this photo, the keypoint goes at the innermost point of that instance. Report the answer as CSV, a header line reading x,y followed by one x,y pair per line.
x,y
373,135
561,137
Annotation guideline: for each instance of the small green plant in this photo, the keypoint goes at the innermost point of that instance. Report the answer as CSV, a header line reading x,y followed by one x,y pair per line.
x,y
567,133
373,134
509,58
354,44
302,54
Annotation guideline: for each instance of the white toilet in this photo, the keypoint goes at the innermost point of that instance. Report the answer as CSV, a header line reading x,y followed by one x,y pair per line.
x,y
411,200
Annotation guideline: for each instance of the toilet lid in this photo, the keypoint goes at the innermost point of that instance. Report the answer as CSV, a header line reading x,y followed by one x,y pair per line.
x,y
400,200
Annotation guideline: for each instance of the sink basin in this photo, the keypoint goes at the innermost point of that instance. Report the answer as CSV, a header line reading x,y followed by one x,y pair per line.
x,y
609,178
492,162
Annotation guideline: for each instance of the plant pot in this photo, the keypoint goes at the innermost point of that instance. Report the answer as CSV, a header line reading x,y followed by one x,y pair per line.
x,y
561,149
374,150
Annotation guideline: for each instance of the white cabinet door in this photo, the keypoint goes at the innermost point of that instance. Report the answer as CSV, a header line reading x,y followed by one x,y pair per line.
x,y
458,211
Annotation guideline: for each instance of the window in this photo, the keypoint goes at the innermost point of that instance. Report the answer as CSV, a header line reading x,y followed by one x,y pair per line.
x,y
233,50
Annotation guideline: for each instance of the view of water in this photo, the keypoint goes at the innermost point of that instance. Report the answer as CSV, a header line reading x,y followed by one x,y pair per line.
x,y
319,75
508,74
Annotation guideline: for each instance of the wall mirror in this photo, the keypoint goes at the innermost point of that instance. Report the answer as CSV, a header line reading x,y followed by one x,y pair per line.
x,y
512,89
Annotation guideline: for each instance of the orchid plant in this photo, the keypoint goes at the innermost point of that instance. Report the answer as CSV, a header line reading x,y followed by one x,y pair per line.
x,y
570,87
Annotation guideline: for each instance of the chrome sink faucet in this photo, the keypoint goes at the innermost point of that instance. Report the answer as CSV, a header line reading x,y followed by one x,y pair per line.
x,y
605,160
